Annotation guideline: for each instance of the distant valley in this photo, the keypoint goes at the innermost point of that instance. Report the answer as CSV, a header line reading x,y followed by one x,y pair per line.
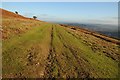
x,y
109,30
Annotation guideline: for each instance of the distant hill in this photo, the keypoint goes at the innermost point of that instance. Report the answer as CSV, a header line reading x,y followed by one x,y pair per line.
x,y
109,30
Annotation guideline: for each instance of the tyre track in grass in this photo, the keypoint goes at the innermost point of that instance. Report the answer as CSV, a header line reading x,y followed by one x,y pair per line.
x,y
96,71
95,47
39,52
82,63
49,62
53,68
81,73
67,59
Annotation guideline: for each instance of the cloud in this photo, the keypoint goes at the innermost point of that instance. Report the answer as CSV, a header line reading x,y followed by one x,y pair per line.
x,y
47,17
44,17
104,20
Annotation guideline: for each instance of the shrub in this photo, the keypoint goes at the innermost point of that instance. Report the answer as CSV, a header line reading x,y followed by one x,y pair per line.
x,y
34,17
16,12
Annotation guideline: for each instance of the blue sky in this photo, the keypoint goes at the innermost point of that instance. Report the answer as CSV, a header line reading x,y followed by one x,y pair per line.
x,y
80,12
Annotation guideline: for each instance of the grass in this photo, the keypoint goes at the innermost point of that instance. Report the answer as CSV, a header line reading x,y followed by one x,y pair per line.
x,y
15,50
75,51
37,49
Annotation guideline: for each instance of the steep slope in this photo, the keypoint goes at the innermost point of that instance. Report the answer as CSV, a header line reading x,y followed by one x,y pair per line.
x,y
35,49
8,14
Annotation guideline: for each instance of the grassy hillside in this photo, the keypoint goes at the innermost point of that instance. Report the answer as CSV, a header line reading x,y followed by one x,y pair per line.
x,y
36,49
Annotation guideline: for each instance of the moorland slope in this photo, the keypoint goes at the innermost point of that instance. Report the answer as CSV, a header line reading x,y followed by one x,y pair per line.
x,y
37,49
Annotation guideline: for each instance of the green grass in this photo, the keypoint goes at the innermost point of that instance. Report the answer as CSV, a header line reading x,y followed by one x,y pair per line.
x,y
96,65
15,50
50,50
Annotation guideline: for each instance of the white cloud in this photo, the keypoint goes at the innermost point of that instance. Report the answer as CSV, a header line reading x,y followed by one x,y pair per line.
x,y
105,20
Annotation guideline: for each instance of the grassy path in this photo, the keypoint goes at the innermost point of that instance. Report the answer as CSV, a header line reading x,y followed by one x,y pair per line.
x,y
70,57
26,55
51,50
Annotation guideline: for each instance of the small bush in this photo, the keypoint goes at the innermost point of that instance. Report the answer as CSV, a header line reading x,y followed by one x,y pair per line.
x,y
34,17
16,12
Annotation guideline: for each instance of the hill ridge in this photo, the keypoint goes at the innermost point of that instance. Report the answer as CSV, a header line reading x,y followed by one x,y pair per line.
x,y
9,14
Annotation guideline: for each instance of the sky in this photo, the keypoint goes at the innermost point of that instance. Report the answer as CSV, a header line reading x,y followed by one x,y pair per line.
x,y
60,0
75,12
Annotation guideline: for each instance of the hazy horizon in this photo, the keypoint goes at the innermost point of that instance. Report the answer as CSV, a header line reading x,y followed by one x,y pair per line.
x,y
72,12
